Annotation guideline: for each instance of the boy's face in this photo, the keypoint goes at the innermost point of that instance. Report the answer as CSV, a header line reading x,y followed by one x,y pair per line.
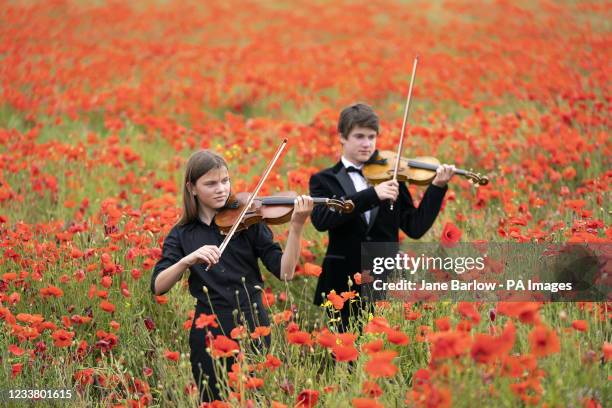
x,y
359,144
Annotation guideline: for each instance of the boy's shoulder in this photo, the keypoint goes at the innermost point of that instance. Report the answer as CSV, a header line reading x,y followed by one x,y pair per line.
x,y
329,171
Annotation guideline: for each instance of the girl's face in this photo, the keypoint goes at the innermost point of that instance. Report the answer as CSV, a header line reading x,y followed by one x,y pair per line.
x,y
213,188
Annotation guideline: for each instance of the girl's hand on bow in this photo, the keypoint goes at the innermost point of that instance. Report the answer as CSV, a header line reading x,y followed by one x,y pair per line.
x,y
208,254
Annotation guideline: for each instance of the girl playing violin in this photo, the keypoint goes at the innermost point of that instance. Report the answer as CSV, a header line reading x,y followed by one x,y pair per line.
x,y
231,287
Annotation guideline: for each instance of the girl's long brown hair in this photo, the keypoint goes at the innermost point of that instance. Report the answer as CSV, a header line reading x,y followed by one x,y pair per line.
x,y
200,163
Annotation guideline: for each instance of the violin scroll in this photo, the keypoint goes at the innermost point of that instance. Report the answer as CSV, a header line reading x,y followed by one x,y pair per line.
x,y
476,178
343,206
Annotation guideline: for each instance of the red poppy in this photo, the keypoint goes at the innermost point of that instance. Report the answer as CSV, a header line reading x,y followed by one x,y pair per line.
x,y
300,338
336,300
377,325
330,388
222,346
107,306
51,291
397,337
430,396
468,310
607,351
283,316
311,269
345,352
205,320
260,331
422,333
569,173
62,338
32,319
254,383
307,399
106,341
381,365
529,390
527,312
450,235
10,276
371,389
484,348
373,346
15,350
16,369
443,323
84,376
544,341
449,344
326,339
580,325
272,362
106,281
238,332
366,403
268,298
172,355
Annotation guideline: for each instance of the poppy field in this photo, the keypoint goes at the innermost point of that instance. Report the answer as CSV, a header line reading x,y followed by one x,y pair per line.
x,y
101,104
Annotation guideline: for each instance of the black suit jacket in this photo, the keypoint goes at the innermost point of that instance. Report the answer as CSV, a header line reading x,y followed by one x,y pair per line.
x,y
348,231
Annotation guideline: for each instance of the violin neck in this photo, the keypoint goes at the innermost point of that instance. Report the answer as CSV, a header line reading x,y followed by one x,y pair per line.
x,y
287,200
428,166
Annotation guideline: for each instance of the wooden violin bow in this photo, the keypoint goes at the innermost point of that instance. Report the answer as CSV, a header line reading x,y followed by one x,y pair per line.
x,y
251,198
406,109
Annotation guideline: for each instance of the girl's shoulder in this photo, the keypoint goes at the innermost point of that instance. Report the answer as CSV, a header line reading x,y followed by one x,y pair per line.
x,y
178,229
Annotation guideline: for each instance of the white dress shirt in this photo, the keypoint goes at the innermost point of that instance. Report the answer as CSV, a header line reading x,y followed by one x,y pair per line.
x,y
359,181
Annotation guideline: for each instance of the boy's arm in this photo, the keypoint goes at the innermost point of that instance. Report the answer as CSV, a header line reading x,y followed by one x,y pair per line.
x,y
415,222
324,218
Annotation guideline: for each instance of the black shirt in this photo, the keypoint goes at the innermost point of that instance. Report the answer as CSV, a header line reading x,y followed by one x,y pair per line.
x,y
239,260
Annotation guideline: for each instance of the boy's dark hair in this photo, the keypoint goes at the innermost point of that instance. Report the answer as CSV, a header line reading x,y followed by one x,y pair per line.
x,y
357,114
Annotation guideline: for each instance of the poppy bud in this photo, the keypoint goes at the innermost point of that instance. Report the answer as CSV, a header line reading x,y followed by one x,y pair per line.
x,y
149,323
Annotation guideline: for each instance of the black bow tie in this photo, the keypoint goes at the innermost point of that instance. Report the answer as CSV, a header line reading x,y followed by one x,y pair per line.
x,y
354,169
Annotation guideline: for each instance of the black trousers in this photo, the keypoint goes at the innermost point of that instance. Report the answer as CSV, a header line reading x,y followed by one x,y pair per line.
x,y
202,364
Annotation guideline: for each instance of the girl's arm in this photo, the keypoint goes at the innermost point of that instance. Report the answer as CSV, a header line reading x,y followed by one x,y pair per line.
x,y
302,208
166,279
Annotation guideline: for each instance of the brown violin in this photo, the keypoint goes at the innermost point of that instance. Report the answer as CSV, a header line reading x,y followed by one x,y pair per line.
x,y
420,170
274,210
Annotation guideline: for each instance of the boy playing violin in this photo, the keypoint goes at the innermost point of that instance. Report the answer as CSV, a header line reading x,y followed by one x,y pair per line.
x,y
372,219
